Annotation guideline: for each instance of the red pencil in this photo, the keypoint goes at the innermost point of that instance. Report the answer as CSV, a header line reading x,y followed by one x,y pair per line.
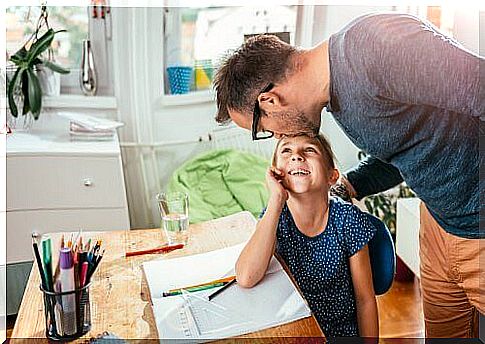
x,y
161,249
84,271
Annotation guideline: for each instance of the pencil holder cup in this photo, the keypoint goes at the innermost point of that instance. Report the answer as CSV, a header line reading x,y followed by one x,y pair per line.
x,y
180,79
67,314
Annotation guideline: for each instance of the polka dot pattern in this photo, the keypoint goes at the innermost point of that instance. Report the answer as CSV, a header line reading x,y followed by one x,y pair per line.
x,y
320,264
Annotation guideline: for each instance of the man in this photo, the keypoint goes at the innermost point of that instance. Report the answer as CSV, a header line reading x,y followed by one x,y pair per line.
x,y
409,97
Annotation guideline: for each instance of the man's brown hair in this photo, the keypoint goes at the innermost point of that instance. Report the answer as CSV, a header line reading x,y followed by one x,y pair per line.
x,y
262,60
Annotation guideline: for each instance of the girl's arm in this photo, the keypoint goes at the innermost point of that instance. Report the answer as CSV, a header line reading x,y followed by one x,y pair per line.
x,y
361,272
256,255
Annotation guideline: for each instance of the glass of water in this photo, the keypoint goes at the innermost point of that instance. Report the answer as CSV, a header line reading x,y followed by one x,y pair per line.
x,y
174,210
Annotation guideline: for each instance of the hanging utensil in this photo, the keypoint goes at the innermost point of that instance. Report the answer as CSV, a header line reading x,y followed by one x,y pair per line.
x,y
88,78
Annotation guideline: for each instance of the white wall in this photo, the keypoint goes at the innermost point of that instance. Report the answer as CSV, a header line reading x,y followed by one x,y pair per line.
x,y
482,35
465,28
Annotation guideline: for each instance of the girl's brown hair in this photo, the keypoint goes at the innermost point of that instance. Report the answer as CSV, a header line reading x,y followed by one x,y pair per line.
x,y
321,141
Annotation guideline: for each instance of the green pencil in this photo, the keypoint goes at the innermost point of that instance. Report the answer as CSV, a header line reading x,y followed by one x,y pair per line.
x,y
194,289
47,257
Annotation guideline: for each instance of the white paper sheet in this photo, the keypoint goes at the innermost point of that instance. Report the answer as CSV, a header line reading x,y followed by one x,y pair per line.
x,y
273,301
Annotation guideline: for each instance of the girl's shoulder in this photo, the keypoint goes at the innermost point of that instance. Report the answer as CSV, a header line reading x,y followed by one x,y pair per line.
x,y
352,225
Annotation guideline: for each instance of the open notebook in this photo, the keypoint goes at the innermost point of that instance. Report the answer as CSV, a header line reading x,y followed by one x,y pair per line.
x,y
274,301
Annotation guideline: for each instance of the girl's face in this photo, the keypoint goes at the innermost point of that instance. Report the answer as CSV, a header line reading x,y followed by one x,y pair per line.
x,y
305,165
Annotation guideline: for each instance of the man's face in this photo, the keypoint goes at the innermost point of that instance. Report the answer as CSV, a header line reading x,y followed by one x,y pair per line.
x,y
287,122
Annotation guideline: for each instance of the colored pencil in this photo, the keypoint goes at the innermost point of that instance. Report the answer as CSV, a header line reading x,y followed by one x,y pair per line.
x,y
193,289
217,292
161,249
220,282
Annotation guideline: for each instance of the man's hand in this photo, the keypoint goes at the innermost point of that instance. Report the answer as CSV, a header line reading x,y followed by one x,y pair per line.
x,y
274,180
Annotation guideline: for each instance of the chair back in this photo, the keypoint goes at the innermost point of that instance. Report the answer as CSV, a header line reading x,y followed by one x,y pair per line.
x,y
382,256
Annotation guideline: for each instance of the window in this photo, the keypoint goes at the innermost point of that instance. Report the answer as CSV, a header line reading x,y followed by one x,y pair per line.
x,y
441,17
202,35
21,23
67,46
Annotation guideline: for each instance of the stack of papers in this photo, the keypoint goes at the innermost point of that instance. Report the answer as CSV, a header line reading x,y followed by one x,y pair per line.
x,y
236,311
83,127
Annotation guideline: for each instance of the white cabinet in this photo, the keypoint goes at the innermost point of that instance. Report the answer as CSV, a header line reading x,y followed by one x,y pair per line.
x,y
53,185
407,232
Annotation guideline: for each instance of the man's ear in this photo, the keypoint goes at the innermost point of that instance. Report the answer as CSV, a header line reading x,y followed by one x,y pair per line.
x,y
269,102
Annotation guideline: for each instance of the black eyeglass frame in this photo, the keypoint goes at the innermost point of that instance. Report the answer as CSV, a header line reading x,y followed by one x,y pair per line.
x,y
256,116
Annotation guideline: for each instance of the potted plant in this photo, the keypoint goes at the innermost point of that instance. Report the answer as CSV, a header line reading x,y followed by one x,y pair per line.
x,y
383,205
28,59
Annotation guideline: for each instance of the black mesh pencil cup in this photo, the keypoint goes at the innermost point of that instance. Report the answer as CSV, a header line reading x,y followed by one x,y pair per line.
x,y
67,314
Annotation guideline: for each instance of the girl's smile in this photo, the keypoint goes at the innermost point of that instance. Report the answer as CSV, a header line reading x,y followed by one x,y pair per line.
x,y
304,164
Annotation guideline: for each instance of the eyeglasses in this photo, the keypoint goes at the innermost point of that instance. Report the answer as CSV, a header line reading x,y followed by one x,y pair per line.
x,y
265,134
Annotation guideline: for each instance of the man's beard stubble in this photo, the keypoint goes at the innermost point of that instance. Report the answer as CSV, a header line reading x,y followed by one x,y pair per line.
x,y
297,122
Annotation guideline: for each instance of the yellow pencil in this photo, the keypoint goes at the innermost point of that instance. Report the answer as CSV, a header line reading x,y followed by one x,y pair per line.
x,y
221,280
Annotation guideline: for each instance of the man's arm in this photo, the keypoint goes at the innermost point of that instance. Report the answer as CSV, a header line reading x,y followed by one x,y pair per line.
x,y
371,176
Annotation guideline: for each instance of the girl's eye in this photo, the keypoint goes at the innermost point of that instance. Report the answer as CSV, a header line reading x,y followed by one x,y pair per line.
x,y
285,150
310,149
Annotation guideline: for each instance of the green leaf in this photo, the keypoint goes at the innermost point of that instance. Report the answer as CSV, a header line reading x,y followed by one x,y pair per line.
x,y
11,89
20,54
56,68
41,45
25,92
35,93
377,202
17,60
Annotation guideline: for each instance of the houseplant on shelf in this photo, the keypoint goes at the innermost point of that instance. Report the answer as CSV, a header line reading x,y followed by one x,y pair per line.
x,y
24,88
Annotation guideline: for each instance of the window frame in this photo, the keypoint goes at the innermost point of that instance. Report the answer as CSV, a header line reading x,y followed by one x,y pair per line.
x,y
170,23
101,41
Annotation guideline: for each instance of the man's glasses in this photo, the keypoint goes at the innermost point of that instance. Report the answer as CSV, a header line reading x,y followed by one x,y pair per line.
x,y
265,134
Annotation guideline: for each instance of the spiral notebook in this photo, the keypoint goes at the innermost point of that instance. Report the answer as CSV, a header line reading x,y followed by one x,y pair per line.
x,y
190,316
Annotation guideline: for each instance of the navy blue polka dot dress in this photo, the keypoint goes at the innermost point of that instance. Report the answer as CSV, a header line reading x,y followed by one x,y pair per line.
x,y
320,264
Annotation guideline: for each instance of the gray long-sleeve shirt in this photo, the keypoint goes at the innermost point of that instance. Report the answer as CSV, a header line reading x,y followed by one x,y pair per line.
x,y
409,96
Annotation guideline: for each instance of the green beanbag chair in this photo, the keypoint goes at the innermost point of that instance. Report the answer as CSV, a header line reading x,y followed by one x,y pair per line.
x,y
222,182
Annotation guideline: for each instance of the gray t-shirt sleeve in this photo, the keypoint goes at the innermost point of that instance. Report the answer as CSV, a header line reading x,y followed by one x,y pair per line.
x,y
415,64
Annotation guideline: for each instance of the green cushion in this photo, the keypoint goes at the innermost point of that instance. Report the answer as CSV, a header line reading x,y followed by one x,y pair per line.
x,y
222,182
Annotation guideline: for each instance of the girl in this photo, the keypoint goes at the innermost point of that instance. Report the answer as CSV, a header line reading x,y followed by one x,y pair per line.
x,y
323,240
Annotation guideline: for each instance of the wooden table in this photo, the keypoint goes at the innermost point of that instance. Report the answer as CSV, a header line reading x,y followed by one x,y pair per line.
x,y
120,300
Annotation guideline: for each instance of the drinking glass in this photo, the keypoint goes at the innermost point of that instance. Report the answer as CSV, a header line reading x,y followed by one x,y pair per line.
x,y
174,210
